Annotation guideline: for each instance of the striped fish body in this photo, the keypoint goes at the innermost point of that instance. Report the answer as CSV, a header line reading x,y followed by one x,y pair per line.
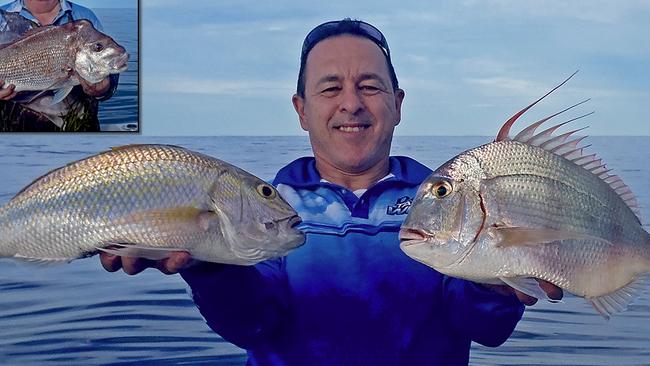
x,y
148,200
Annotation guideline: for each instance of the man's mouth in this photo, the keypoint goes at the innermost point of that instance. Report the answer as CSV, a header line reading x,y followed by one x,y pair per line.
x,y
352,128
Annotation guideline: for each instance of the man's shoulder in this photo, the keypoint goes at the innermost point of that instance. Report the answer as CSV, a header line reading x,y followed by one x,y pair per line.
x,y
408,169
300,172
9,6
82,12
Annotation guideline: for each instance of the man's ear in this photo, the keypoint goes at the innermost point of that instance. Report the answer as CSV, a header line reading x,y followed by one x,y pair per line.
x,y
399,98
299,106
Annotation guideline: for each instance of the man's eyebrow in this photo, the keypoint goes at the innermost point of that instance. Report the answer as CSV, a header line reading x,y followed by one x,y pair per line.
x,y
328,78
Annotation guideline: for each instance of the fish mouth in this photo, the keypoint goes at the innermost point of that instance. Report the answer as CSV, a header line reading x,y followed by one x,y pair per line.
x,y
120,64
294,221
409,236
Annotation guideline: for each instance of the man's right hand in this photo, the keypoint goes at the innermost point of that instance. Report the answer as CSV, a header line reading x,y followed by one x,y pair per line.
x,y
8,92
132,265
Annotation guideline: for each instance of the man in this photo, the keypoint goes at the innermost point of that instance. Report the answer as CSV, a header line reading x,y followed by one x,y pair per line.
x,y
83,102
349,296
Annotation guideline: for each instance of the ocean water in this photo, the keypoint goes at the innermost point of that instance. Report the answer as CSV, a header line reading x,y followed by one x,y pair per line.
x,y
78,314
120,112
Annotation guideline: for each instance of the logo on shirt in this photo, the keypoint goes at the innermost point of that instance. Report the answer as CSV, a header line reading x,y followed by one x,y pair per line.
x,y
401,206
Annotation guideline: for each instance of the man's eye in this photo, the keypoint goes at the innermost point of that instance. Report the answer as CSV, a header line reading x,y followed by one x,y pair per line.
x,y
331,90
369,89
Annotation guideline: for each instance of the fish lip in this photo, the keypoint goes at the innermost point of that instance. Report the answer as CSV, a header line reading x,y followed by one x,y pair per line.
x,y
410,236
121,63
294,221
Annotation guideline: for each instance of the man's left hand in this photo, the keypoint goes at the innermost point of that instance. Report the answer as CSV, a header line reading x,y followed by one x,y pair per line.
x,y
97,89
553,292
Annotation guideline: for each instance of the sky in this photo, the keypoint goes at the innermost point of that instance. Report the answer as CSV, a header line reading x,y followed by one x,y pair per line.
x,y
229,67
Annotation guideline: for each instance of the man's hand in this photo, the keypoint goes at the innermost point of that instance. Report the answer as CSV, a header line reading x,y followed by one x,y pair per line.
x,y
131,266
553,292
8,92
97,89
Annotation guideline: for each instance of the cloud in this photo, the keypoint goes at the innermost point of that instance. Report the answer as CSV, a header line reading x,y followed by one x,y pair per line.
x,y
188,85
597,11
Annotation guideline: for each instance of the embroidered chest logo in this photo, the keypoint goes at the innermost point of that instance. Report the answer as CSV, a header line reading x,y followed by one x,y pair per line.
x,y
401,206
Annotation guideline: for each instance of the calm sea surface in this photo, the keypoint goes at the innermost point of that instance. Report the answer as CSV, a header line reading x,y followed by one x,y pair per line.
x,y
78,314
120,113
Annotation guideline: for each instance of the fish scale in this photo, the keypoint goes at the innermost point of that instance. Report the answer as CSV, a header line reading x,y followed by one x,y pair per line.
x,y
146,197
35,63
532,207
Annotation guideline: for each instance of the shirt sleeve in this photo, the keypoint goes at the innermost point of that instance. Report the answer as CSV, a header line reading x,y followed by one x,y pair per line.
x,y
243,304
482,315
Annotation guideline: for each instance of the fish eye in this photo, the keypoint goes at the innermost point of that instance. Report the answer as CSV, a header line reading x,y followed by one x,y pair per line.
x,y
266,191
441,189
98,47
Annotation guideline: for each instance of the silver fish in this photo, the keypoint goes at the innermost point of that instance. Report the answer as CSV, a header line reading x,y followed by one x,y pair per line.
x,y
532,206
145,201
56,57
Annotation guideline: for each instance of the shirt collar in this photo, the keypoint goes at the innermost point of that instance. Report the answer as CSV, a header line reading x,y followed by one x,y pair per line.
x,y
18,6
302,172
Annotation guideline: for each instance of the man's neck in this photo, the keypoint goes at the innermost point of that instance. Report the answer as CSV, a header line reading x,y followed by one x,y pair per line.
x,y
44,11
353,180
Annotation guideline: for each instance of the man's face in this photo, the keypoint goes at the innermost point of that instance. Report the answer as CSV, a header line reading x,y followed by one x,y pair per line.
x,y
350,109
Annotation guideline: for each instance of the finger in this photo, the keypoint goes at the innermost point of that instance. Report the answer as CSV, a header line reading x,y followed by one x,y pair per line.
x,y
8,92
175,262
551,290
110,262
133,265
525,299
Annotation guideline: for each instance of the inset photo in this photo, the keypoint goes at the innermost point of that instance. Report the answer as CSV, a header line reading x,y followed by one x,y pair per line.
x,y
69,66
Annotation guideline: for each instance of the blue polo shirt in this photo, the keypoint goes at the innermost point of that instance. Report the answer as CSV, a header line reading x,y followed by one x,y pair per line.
x,y
349,295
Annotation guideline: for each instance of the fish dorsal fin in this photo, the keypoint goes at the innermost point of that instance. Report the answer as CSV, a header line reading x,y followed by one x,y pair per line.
x,y
124,147
505,129
558,144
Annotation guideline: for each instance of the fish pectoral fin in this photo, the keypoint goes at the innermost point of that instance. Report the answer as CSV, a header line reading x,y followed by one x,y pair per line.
x,y
515,236
618,301
177,220
60,94
36,96
527,285
139,251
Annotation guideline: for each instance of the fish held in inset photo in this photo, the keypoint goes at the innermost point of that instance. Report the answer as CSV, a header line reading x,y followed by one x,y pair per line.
x,y
147,201
57,57
535,205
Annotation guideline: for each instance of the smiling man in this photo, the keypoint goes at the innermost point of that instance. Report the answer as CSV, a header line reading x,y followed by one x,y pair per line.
x,y
349,296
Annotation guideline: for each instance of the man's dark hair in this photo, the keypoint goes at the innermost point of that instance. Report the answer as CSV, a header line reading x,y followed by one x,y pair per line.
x,y
336,28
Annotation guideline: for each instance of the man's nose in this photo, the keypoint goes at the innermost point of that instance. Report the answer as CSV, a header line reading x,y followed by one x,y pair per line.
x,y
351,100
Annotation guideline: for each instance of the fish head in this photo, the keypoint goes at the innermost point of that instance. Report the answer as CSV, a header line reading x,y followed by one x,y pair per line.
x,y
445,217
255,220
98,55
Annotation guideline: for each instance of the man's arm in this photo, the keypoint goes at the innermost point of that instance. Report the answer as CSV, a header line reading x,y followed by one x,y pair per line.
x,y
481,314
102,90
243,304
